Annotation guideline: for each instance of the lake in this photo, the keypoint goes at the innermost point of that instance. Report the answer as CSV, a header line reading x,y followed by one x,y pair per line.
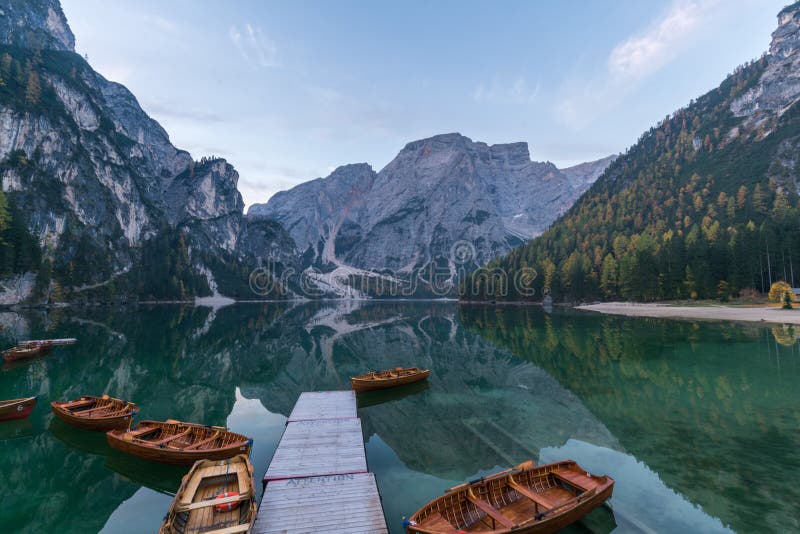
x,y
698,422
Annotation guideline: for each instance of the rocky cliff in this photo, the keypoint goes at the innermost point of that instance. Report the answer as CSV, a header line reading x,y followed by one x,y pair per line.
x,y
439,194
98,182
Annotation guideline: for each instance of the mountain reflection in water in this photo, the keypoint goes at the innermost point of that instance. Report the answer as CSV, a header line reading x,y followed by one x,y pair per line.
x,y
678,411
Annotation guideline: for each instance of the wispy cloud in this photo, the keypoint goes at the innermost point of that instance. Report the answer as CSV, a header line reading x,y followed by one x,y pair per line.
x,y
254,45
634,59
518,91
640,55
173,110
163,23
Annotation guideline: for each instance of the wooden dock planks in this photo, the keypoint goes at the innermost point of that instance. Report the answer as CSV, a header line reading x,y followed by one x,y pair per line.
x,y
316,448
317,480
316,405
337,503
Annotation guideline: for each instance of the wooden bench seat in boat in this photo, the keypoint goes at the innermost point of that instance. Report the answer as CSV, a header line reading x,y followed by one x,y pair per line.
x,y
142,432
491,511
543,502
216,471
211,502
230,530
78,404
204,442
171,438
98,409
580,481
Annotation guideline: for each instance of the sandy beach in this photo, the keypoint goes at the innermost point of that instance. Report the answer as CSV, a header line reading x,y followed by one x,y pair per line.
x,y
710,312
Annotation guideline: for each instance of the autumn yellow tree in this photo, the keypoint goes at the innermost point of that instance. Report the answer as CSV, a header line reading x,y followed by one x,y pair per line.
x,y
32,89
778,291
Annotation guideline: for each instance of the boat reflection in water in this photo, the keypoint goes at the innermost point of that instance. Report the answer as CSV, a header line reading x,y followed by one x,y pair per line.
x,y
373,398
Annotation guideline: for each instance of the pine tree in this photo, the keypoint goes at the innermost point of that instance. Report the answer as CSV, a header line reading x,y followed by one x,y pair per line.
x,y
758,199
5,65
33,90
608,276
741,198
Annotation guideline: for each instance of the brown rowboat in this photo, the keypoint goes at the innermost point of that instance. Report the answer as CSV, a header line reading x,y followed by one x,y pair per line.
x,y
17,408
47,343
21,353
527,499
399,376
199,505
174,442
100,414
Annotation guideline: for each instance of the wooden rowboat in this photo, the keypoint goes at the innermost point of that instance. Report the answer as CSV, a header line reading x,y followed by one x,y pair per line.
x,y
389,378
100,414
21,353
17,408
527,498
217,496
174,442
47,342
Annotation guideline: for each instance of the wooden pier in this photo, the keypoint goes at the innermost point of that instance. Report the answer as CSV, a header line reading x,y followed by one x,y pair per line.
x,y
317,480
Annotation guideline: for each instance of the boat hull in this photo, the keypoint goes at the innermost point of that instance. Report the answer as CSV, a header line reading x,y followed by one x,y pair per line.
x,y
99,424
361,385
13,355
18,410
127,442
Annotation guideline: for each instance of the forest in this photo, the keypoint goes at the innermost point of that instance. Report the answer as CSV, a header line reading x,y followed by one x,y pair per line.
x,y
698,208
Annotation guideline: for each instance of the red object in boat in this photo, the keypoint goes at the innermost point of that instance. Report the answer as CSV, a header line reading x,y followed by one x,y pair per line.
x,y
228,506
17,408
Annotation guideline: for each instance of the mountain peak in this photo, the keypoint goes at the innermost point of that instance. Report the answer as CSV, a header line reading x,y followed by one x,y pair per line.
x,y
35,24
778,87
453,139
786,38
515,153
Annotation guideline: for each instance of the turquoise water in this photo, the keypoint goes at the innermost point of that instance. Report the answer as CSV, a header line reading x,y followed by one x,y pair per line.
x,y
699,423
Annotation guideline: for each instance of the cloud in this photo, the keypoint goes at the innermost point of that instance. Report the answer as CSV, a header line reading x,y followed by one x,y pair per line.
x,y
254,46
164,24
632,60
518,92
641,55
177,111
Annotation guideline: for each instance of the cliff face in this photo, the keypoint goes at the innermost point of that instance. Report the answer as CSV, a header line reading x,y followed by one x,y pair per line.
x,y
95,178
35,24
435,194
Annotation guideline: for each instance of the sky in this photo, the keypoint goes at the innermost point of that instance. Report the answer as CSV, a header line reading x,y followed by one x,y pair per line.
x,y
288,91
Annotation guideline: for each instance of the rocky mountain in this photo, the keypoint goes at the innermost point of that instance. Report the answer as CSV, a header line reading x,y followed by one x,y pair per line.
x,y
439,194
112,204
705,204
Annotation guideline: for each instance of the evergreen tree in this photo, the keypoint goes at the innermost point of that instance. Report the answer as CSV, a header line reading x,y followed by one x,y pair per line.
x,y
33,90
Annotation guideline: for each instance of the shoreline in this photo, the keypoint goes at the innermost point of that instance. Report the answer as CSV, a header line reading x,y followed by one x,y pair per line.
x,y
758,314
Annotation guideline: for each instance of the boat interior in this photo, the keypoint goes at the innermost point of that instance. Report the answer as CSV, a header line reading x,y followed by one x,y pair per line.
x,y
194,511
508,500
398,372
97,408
183,437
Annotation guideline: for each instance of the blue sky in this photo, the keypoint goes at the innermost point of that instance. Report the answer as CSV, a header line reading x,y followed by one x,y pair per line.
x,y
287,91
